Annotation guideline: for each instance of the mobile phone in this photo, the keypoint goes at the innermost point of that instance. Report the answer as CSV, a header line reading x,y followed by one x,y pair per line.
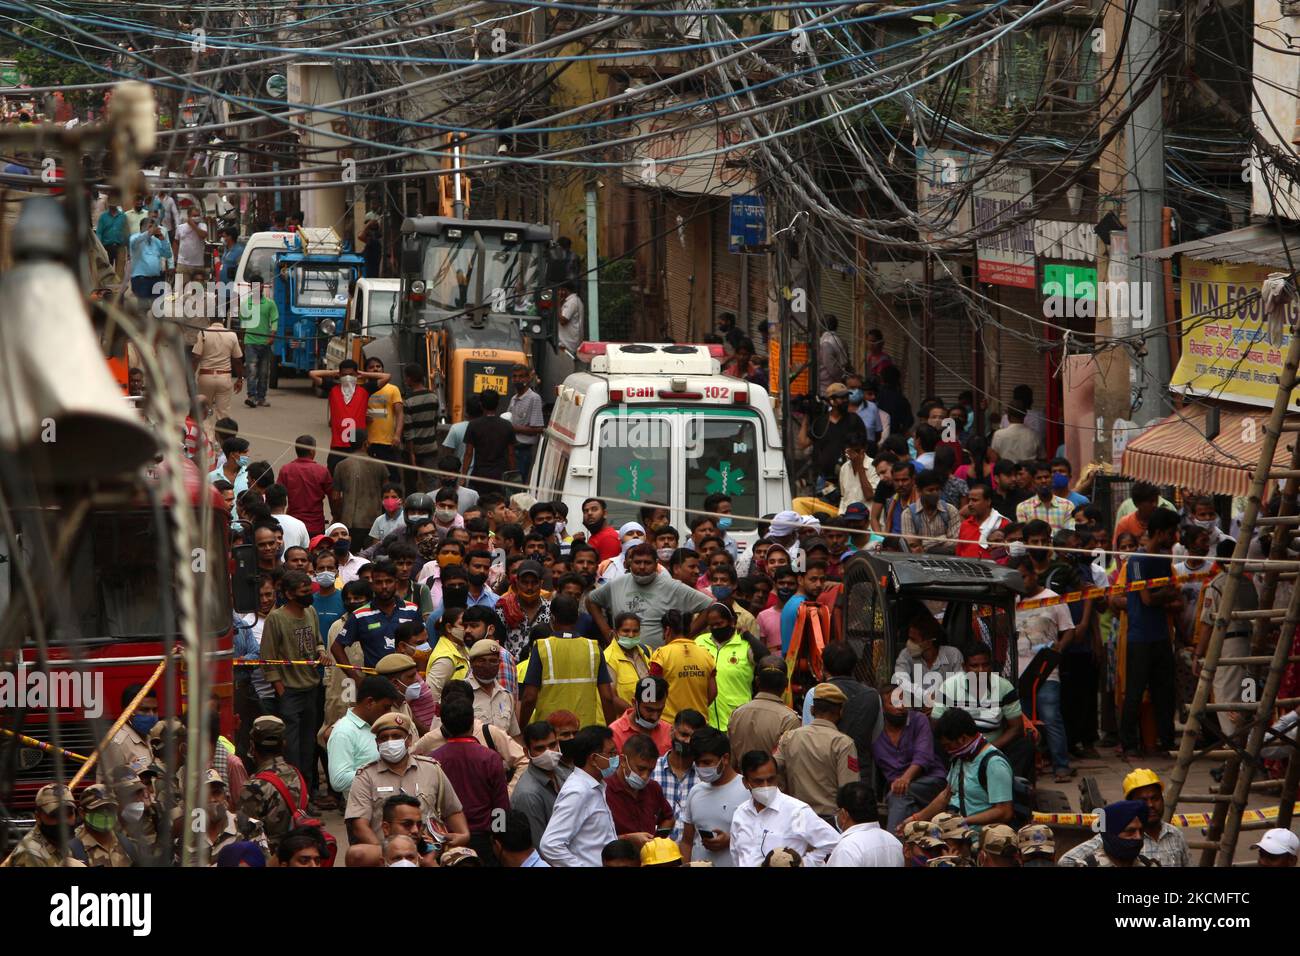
x,y
664,832
707,834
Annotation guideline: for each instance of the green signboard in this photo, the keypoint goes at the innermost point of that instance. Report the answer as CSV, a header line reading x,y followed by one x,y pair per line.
x,y
1072,282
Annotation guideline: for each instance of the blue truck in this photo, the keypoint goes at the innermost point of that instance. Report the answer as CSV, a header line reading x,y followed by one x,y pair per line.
x,y
313,277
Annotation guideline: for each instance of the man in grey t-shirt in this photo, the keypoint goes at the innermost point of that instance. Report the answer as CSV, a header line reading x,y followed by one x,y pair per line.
x,y
646,593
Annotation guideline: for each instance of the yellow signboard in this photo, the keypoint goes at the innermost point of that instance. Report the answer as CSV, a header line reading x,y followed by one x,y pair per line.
x,y
1226,351
798,356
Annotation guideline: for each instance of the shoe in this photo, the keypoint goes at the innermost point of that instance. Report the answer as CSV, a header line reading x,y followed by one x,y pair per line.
x,y
263,403
250,403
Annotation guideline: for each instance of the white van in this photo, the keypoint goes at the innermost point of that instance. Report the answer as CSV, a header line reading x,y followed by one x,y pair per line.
x,y
374,312
660,425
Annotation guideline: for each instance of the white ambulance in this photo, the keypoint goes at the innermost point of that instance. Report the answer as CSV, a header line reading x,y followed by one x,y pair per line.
x,y
654,424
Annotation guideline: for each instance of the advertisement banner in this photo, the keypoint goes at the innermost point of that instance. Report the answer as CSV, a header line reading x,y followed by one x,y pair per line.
x,y
1006,258
940,201
1226,351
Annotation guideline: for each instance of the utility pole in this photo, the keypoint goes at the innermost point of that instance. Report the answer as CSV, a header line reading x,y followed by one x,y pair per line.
x,y
1144,205
593,265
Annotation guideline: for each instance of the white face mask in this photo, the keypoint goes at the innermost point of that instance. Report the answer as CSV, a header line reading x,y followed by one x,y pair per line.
x,y
325,579
397,863
547,760
413,690
764,795
559,529
348,381
1016,548
133,812
392,750
636,781
708,774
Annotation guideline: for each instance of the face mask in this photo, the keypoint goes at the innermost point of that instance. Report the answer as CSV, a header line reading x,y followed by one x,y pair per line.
x,y
559,528
627,643
636,781
397,863
896,720
721,634
243,461
455,594
343,549
348,381
325,579
219,812
1060,482
631,543
680,747
392,504
724,523
477,580
445,515
643,723
1016,548
914,649
392,750
784,594
545,529
961,753
665,554
644,579
1121,849
855,396
413,690
51,832
133,812
445,560
708,774
721,591
1209,524
143,723
611,769
547,760
594,526
100,820
457,632
764,795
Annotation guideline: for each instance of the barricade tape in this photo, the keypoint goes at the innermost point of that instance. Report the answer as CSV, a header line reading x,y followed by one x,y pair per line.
x,y
1089,594
1179,819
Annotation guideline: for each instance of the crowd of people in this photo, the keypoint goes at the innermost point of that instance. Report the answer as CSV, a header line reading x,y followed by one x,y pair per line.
x,y
478,678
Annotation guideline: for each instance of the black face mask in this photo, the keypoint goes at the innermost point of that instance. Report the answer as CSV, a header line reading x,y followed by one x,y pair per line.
x,y
342,549
896,720
546,529
722,634
681,748
476,580
454,595
594,526
51,832
587,578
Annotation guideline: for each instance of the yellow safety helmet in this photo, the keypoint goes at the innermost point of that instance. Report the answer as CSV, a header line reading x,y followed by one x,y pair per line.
x,y
659,852
1141,777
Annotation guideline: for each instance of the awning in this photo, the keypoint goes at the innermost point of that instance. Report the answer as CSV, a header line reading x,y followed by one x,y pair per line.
x,y
1174,451
1253,245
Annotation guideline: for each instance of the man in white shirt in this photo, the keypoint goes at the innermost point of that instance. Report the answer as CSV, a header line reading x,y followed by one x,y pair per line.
x,y
573,319
769,819
581,824
712,803
1039,628
296,534
862,841
191,247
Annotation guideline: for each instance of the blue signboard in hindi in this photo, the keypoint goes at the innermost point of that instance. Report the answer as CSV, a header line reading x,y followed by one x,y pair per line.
x,y
748,223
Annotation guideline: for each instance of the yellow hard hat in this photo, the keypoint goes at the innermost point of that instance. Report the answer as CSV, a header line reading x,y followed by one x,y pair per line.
x,y
1141,777
660,851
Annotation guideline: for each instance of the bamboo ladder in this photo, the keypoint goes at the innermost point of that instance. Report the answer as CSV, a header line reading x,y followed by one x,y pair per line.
x,y
1242,758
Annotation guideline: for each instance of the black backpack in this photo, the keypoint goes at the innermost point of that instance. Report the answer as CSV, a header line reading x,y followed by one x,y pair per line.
x,y
1021,796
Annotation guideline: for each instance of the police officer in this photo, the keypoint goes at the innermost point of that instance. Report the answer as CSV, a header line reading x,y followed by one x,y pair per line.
x,y
43,846
817,759
922,842
223,827
97,834
130,745
999,846
957,836
1037,845
399,771
402,670
260,799
137,815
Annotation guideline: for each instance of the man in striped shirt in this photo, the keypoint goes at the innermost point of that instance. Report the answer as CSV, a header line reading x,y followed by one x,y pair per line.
x,y
421,426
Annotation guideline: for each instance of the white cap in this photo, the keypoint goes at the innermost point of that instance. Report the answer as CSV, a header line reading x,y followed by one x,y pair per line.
x,y
1278,842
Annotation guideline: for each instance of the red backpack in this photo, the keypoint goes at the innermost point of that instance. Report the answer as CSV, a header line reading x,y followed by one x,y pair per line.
x,y
300,817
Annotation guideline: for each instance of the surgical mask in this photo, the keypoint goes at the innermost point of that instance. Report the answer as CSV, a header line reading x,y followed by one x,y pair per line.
x,y
559,528
100,820
611,769
243,461
855,396
681,747
724,523
545,529
392,504
765,795
397,863
636,781
547,760
914,649
445,515
708,774
457,632
643,723
325,579
665,554
1016,548
627,643
133,812
721,591
413,690
143,723
1209,524
392,750
644,579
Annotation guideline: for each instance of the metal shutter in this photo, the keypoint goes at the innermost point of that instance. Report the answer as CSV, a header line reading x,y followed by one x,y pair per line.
x,y
1017,359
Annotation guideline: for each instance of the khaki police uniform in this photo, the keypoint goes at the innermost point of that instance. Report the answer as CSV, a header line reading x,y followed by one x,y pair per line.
x,y
817,760
127,749
421,777
33,850
216,347
759,725
101,849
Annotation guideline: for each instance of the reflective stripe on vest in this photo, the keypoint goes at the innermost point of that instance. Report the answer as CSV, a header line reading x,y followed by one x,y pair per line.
x,y
569,672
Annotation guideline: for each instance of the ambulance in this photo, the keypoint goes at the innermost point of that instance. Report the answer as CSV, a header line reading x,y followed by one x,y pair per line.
x,y
659,425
